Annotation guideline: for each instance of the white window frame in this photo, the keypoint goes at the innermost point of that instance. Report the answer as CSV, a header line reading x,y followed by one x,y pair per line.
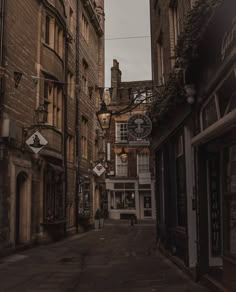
x,y
121,131
143,163
121,167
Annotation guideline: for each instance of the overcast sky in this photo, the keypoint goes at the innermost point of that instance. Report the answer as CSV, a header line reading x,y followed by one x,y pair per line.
x,y
127,18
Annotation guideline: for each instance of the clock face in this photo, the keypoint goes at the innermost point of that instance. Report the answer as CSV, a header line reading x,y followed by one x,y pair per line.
x,y
139,126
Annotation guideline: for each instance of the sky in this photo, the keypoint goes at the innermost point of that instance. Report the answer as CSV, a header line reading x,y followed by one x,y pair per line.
x,y
127,18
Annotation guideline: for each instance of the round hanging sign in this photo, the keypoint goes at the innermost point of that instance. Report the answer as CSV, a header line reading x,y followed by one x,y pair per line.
x,y
139,126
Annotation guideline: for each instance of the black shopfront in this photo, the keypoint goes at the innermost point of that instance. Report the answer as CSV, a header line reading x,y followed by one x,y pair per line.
x,y
214,144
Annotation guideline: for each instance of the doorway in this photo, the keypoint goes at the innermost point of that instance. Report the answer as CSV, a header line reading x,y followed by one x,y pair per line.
x,y
214,210
146,205
21,209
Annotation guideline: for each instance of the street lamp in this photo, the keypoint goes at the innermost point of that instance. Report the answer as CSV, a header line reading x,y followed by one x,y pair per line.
x,y
40,114
123,155
104,116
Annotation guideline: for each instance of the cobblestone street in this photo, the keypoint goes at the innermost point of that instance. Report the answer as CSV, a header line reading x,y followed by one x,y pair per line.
x,y
119,257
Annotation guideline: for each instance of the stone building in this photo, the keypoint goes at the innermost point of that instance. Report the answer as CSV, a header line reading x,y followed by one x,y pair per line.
x,y
91,76
193,57
129,184
40,102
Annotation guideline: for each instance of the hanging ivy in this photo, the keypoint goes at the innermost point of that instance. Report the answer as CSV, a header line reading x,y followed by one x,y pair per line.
x,y
195,23
186,52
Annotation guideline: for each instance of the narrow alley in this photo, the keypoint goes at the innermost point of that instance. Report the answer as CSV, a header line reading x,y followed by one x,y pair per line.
x,y
119,257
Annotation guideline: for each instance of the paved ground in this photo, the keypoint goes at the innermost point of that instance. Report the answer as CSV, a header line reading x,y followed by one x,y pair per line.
x,y
118,258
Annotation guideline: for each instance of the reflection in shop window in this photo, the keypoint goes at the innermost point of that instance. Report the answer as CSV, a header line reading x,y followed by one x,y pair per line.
x,y
122,200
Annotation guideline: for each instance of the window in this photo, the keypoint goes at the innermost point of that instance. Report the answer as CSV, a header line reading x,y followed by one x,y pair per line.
x,y
71,20
160,61
85,77
70,85
58,40
122,199
143,163
121,132
84,137
70,148
180,181
53,103
85,28
121,167
174,31
143,96
220,103
53,196
53,35
48,21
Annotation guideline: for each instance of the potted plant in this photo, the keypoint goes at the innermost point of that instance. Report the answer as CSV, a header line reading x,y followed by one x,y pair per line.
x,y
97,218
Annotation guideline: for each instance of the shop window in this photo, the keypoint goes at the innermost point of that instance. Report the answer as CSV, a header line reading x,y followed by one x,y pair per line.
x,y
180,182
121,167
230,202
121,132
53,102
84,137
122,200
143,163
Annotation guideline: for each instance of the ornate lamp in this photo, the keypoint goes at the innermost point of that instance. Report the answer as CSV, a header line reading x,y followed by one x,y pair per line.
x,y
104,116
41,114
123,155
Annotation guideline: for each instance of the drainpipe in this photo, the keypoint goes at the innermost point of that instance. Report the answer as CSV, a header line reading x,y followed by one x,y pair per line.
x,y
2,92
2,53
65,128
77,81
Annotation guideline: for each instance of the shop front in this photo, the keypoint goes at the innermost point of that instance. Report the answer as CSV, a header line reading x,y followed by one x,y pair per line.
x,y
215,148
128,198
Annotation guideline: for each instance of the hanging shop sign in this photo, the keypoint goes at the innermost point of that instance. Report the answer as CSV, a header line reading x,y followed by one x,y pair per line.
x,y
36,142
99,169
139,126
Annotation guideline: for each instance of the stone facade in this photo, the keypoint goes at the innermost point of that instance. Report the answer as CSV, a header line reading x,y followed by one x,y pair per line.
x,y
41,54
91,58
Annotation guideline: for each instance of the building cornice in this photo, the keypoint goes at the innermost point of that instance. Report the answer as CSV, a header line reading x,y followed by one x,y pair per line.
x,y
88,6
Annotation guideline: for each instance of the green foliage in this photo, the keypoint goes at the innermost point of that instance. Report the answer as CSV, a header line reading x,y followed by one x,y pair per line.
x,y
171,95
195,23
186,52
